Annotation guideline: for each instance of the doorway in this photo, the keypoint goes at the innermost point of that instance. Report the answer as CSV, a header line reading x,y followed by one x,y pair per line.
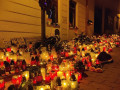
x,y
98,21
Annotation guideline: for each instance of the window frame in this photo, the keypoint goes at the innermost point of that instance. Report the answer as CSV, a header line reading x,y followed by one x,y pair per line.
x,y
55,4
74,11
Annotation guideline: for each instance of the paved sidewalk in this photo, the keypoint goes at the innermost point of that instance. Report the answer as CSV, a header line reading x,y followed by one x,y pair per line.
x,y
108,80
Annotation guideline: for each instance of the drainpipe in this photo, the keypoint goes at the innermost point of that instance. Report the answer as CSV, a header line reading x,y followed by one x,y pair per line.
x,y
43,24
87,16
103,16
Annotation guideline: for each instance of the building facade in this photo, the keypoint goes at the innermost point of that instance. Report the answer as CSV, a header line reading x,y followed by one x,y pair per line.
x,y
22,18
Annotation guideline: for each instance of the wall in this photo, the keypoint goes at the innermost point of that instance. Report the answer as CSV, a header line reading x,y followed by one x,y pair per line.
x,y
81,15
90,28
80,18
19,18
64,18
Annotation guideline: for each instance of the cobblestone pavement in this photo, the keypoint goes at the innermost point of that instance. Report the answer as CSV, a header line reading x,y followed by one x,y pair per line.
x,y
108,80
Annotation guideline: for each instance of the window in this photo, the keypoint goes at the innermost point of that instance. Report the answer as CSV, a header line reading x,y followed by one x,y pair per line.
x,y
53,12
72,13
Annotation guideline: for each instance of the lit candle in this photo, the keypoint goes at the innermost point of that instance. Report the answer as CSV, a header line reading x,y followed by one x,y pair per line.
x,y
65,84
21,51
80,47
1,55
71,53
51,57
67,75
20,57
78,53
1,64
93,60
43,71
55,67
68,67
49,67
26,74
40,88
20,78
85,48
62,67
45,55
47,87
54,53
27,57
34,80
96,55
76,75
89,64
110,50
52,84
14,49
101,48
88,47
75,50
74,85
97,61
62,53
66,54
71,72
58,88
83,53
59,73
7,54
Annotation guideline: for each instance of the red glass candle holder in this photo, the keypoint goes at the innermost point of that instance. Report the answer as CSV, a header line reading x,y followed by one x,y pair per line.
x,y
39,79
66,54
110,50
47,78
1,64
75,50
8,49
79,77
24,67
17,70
104,49
62,53
53,75
20,63
97,61
55,68
85,48
15,81
83,59
38,63
72,72
89,64
20,78
51,57
7,59
33,62
34,80
2,84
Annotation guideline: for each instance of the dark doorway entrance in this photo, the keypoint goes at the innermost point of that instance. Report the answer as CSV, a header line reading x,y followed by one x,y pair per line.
x,y
98,21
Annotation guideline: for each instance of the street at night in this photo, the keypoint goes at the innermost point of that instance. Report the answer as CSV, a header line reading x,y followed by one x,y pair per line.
x,y
108,80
